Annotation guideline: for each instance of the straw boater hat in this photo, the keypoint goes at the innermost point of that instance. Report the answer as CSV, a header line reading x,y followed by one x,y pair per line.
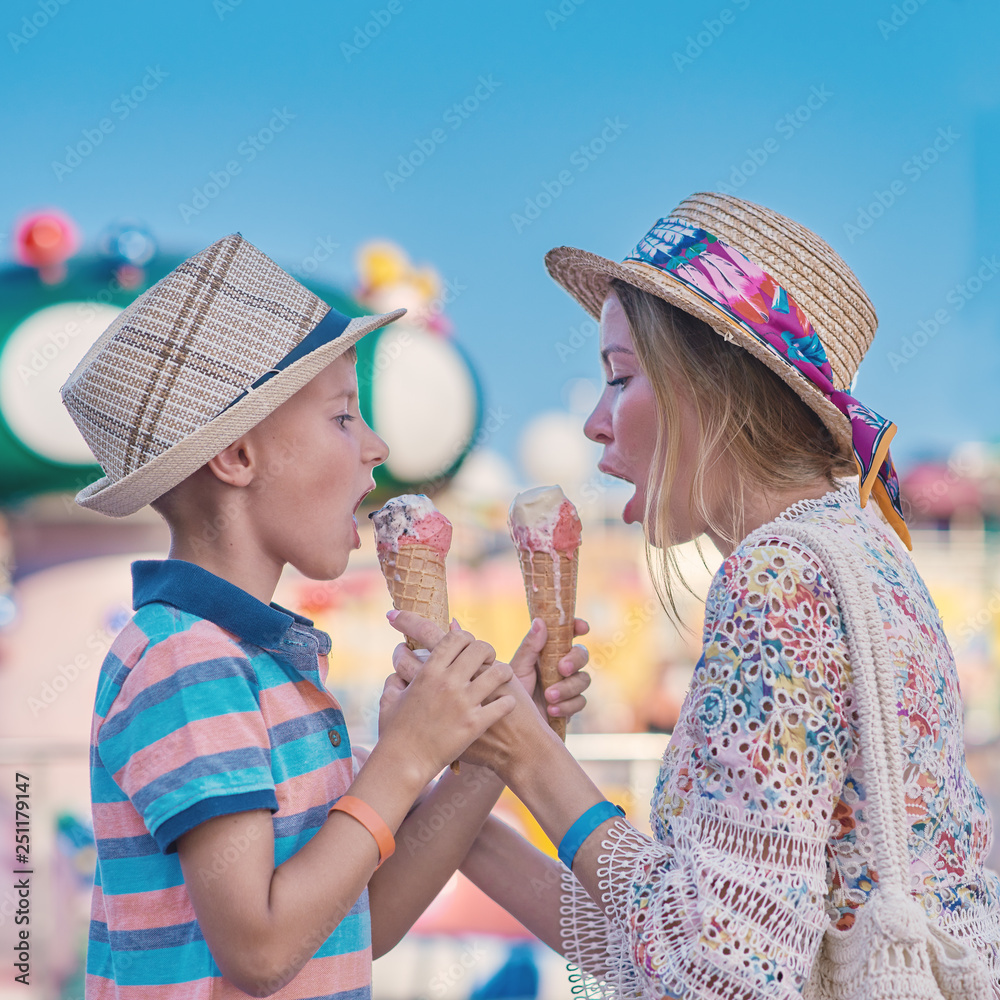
x,y
195,362
774,288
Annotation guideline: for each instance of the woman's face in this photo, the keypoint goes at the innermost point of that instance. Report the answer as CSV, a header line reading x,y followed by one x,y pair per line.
x,y
625,421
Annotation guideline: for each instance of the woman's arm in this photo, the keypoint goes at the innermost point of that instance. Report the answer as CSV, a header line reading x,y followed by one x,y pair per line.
x,y
533,897
731,904
430,843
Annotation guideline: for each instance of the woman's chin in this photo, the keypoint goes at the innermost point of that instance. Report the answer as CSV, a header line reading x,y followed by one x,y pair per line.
x,y
632,512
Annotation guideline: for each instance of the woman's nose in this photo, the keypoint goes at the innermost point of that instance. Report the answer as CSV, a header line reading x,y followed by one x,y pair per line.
x,y
598,424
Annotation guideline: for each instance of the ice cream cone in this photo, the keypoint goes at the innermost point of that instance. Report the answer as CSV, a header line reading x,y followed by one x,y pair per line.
x,y
415,575
546,530
550,586
412,539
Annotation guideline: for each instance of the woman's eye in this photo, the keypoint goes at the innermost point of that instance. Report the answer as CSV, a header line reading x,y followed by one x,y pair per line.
x,y
621,380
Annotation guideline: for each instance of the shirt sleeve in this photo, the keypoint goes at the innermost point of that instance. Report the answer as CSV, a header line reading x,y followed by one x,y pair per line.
x,y
185,738
729,899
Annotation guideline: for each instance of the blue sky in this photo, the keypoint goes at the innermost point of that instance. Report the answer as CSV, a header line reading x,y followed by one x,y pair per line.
x,y
677,115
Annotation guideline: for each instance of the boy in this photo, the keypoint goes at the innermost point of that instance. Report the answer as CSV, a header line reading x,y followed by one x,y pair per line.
x,y
237,851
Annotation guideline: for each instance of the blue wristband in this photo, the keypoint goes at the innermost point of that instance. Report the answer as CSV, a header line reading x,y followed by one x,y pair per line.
x,y
575,836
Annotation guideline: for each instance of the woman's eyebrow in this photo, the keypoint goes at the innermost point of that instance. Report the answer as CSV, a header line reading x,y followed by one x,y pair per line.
x,y
615,350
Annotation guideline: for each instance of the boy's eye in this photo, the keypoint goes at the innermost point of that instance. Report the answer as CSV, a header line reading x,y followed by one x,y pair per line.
x,y
342,418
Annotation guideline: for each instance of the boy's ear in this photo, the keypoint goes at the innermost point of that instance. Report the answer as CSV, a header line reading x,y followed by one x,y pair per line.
x,y
233,464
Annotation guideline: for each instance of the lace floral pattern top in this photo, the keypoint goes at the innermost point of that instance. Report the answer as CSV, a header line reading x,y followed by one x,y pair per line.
x,y
761,829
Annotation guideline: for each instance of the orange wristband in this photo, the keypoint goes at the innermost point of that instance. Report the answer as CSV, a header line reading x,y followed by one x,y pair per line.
x,y
371,821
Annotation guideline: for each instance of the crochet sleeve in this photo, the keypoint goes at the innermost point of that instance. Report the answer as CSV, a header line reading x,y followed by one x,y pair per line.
x,y
728,900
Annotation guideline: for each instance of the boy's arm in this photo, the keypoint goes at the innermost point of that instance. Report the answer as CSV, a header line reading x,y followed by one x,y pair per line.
x,y
261,923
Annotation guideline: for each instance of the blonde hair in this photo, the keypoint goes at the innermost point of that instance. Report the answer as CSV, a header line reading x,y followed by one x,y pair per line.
x,y
749,421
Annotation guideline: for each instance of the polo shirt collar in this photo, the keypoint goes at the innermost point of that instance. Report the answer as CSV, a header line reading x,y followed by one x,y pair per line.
x,y
196,590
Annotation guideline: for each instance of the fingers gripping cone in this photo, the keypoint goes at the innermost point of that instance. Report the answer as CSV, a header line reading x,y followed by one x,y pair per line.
x,y
546,530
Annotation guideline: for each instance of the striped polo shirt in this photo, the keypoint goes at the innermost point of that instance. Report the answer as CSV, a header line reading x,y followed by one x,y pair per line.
x,y
209,702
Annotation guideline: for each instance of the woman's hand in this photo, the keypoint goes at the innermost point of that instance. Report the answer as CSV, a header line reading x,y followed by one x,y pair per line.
x,y
451,700
564,698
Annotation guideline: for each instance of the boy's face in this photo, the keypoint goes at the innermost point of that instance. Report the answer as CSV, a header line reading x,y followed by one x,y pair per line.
x,y
317,456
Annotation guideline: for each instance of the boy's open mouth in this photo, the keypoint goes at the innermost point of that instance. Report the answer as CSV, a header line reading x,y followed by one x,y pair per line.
x,y
361,499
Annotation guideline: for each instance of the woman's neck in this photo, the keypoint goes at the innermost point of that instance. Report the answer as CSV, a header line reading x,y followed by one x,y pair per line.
x,y
760,508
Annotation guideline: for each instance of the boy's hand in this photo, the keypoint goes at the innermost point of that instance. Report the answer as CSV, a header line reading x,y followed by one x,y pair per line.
x,y
565,697
450,702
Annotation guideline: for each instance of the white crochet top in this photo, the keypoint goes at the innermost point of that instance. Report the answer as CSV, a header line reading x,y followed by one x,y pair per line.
x,y
759,814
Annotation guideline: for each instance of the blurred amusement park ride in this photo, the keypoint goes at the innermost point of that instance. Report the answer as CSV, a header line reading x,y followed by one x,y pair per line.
x,y
56,299
64,578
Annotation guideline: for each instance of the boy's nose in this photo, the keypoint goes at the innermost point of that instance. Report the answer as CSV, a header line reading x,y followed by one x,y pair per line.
x,y
378,450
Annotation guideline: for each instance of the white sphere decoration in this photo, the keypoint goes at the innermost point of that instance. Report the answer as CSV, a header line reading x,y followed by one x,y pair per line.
x,y
423,402
554,450
37,358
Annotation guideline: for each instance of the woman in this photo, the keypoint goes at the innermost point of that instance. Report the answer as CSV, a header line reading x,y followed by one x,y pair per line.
x,y
729,339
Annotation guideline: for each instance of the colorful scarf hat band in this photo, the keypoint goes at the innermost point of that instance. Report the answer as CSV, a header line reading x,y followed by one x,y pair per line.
x,y
748,296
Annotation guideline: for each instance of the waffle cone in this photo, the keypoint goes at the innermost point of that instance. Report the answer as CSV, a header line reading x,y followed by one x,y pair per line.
x,y
416,579
550,586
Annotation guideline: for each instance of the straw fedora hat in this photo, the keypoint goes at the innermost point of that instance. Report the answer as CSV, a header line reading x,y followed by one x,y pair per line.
x,y
809,270
194,362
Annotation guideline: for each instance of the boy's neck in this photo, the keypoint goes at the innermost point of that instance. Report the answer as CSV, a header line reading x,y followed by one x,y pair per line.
x,y
243,566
